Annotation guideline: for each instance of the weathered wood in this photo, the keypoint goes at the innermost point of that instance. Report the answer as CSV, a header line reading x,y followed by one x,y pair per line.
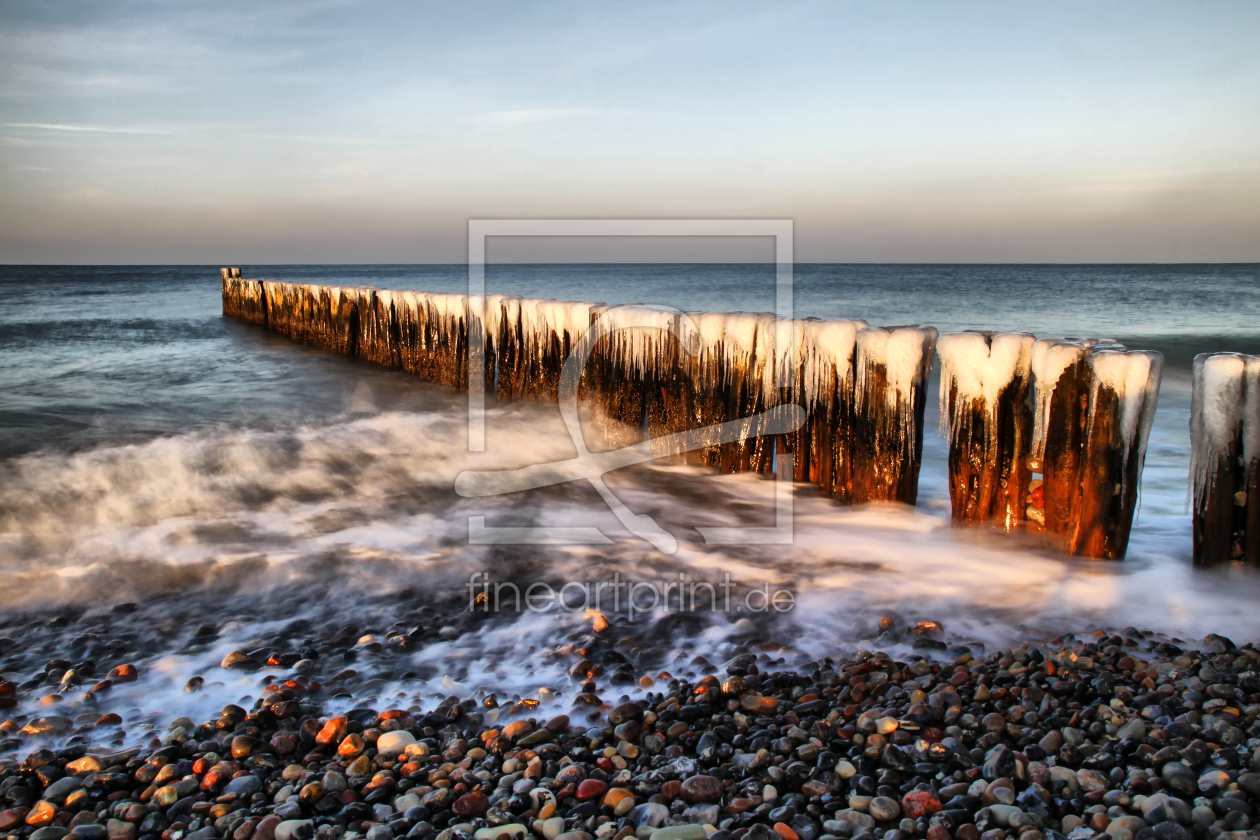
x,y
1225,439
1095,405
1215,514
1064,440
892,366
985,383
1251,515
1100,476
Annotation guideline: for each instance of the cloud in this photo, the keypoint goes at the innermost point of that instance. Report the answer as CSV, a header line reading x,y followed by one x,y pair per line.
x,y
528,115
97,128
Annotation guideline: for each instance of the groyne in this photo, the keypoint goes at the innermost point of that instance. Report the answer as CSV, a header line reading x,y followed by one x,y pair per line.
x,y
1046,437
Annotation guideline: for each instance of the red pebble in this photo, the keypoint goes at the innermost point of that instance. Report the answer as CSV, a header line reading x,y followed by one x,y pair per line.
x,y
590,789
471,805
124,673
918,804
785,831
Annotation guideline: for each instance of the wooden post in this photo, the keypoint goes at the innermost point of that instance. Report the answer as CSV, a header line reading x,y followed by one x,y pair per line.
x,y
708,386
1225,438
1062,400
1095,402
985,384
892,370
829,381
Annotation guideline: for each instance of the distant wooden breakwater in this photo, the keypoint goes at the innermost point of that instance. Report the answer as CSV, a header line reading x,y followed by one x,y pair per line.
x,y
1047,437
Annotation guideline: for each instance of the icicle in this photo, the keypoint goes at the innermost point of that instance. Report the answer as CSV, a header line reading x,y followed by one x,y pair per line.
x,y
829,351
1218,401
765,354
904,352
787,349
578,320
712,328
1050,358
975,366
739,340
640,335
1134,376
1251,415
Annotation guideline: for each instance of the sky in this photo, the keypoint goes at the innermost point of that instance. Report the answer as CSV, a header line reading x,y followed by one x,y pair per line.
x,y
896,131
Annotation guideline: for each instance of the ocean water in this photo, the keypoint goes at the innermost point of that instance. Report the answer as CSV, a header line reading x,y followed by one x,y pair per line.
x,y
154,451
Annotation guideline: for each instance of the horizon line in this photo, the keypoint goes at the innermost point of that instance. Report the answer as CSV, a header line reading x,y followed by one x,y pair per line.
x,y
611,263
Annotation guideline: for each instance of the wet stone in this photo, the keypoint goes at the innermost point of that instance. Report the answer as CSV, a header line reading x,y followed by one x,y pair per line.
x,y
883,808
701,789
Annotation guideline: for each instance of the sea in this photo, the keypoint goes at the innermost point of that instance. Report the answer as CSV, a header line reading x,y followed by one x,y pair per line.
x,y
161,460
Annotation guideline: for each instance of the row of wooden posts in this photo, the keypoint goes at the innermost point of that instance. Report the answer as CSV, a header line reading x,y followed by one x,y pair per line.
x,y
1047,438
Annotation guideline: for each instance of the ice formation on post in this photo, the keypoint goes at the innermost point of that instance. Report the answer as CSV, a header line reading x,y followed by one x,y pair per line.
x,y
1094,405
892,369
985,388
1225,447
828,380
1123,392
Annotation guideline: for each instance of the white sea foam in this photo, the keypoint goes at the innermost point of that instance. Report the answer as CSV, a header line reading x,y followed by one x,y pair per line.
x,y
362,507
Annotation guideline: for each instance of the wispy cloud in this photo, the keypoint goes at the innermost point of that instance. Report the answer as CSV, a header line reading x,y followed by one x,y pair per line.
x,y
97,128
527,115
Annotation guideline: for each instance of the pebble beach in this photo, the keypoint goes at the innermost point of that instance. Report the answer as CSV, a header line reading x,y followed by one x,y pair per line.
x,y
1122,734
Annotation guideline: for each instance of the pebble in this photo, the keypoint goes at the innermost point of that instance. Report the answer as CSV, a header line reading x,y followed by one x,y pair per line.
x,y
883,808
680,832
394,743
287,829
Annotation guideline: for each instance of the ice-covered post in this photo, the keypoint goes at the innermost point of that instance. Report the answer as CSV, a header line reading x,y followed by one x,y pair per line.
x,y
1062,398
985,382
828,381
1095,402
707,401
1225,440
1124,390
892,370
